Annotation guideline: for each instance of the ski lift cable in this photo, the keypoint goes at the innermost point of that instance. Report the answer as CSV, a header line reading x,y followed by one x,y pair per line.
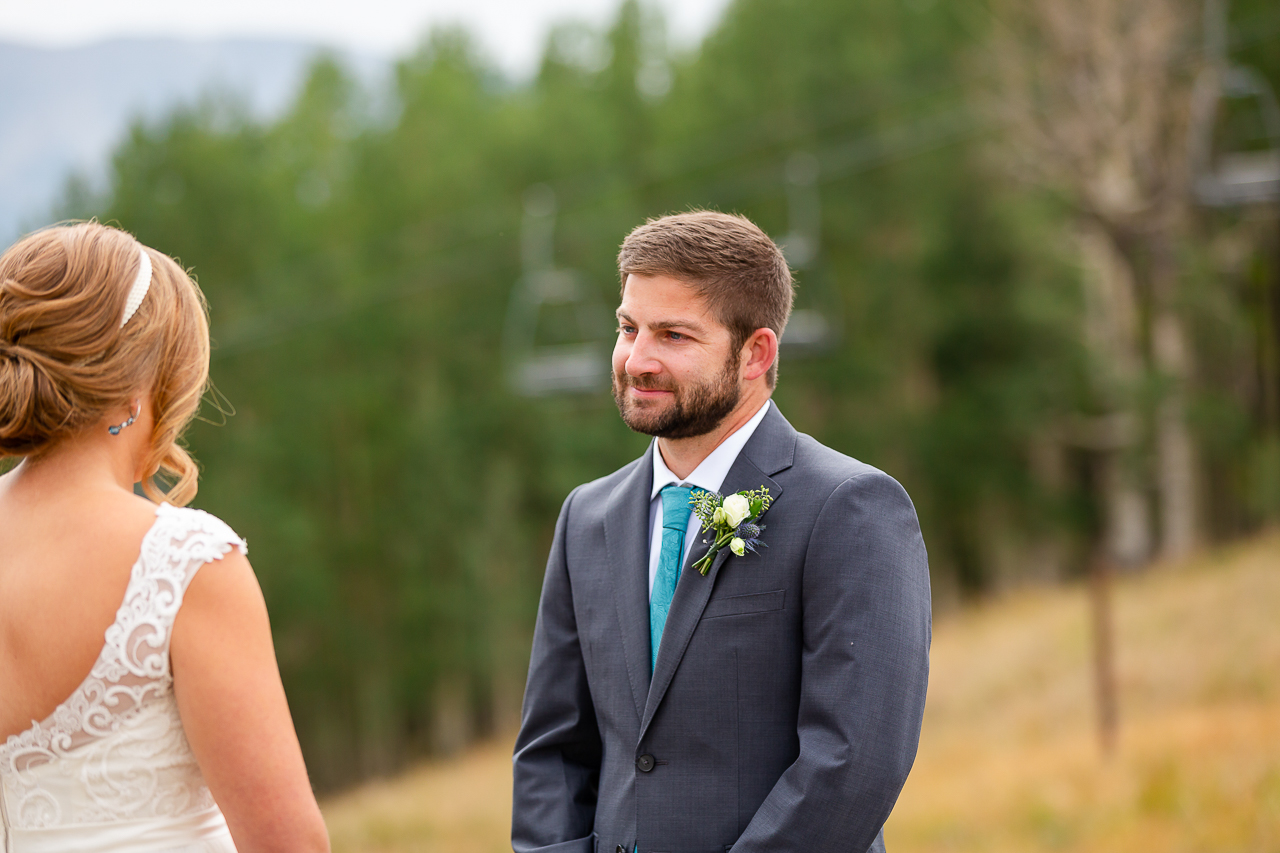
x,y
855,156
740,142
585,187
848,157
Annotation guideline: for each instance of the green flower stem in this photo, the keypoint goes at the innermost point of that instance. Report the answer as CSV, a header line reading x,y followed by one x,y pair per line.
x,y
704,565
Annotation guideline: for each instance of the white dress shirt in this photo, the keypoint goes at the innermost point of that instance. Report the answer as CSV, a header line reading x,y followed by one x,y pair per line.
x,y
709,475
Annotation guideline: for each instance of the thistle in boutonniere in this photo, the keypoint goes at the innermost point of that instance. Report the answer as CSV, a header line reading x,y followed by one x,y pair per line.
x,y
733,521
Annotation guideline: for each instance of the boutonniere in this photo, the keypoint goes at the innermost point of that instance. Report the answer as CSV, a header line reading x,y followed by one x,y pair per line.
x,y
733,520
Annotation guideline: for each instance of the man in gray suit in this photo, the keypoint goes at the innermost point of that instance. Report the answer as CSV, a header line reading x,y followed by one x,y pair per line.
x,y
774,703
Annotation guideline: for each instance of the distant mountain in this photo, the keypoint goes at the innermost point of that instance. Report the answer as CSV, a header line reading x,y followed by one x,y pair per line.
x,y
63,110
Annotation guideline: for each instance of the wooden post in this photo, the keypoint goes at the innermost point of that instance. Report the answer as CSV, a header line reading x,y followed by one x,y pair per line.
x,y
1101,577
1269,340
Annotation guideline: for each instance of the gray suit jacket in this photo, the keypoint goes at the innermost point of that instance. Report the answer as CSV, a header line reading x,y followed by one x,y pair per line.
x,y
784,710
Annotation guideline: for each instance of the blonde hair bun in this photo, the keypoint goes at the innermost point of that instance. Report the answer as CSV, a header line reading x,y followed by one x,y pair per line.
x,y
66,361
33,402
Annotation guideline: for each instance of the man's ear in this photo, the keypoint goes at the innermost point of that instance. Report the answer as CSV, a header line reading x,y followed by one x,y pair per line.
x,y
759,353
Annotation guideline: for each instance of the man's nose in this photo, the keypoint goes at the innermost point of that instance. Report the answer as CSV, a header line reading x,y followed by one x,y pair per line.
x,y
642,360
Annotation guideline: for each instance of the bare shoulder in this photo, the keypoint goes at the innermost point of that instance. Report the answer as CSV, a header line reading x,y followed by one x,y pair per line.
x,y
223,599
117,519
77,538
100,541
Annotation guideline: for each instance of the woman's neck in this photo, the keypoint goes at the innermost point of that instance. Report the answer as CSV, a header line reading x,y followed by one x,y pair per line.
x,y
85,462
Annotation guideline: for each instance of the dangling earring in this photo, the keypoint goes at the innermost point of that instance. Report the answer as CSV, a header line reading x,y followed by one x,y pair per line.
x,y
133,416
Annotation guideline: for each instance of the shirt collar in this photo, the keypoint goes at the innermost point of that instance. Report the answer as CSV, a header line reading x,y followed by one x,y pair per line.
x,y
711,472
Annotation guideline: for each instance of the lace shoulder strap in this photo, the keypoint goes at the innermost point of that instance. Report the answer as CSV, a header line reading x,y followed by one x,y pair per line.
x,y
182,540
178,544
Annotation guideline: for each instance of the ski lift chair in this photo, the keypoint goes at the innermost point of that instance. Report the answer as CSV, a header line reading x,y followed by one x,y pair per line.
x,y
811,328
552,336
1233,175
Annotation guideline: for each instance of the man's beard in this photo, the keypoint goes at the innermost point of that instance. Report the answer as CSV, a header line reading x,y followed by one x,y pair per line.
x,y
693,410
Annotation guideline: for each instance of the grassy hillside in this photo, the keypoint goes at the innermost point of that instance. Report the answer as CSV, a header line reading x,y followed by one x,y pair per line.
x,y
1009,760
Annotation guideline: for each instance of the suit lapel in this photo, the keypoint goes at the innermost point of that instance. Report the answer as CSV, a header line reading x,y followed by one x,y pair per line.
x,y
770,450
626,533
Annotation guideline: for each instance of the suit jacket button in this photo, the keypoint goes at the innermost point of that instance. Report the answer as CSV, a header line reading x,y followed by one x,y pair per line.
x,y
645,763
619,849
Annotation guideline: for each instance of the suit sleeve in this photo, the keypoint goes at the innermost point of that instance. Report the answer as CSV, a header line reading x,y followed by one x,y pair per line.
x,y
864,672
558,751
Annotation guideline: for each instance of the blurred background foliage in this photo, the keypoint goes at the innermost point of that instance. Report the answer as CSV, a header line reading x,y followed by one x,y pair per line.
x,y
361,262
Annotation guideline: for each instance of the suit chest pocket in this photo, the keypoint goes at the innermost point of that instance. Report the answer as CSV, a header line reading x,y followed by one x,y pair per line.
x,y
741,605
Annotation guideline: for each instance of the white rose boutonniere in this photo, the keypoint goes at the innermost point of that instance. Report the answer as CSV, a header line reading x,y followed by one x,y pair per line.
x,y
736,509
732,521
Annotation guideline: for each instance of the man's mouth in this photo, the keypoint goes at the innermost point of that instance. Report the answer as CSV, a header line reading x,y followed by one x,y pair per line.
x,y
645,390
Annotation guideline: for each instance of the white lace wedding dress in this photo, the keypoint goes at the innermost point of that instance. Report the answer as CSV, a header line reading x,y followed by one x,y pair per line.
x,y
111,769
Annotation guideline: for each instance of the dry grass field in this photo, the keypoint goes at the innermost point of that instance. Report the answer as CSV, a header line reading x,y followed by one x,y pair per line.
x,y
1009,759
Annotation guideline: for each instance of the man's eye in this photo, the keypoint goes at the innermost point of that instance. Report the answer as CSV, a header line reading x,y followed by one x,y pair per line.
x,y
626,330
675,336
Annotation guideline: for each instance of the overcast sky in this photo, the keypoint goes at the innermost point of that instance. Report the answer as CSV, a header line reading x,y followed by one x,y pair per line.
x,y
513,31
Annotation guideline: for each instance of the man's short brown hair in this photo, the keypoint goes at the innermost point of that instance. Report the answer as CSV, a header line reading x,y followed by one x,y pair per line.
x,y
727,260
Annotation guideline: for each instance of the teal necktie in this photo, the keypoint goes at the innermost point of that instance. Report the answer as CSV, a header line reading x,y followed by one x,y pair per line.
x,y
675,519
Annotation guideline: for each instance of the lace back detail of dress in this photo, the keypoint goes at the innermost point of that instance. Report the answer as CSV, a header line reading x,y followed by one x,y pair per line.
x,y
118,736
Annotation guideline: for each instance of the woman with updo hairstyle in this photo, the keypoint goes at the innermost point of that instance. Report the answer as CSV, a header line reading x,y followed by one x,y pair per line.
x,y
141,707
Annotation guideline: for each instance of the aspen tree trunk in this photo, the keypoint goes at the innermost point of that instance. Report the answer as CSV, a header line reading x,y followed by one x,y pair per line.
x,y
1175,460
1111,334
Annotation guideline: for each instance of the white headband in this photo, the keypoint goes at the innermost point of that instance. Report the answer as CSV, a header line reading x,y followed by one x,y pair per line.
x,y
141,285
